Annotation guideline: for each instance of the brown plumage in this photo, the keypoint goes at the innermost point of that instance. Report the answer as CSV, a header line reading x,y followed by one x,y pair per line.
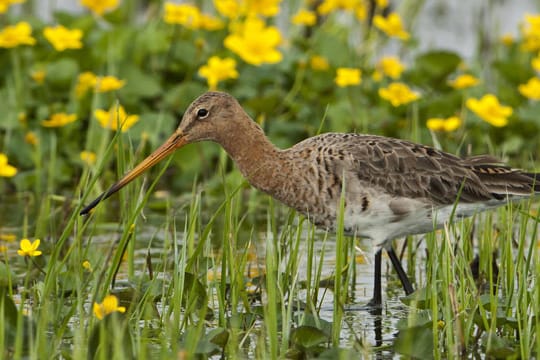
x,y
392,187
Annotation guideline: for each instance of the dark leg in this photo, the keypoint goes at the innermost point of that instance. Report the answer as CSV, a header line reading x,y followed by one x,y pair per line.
x,y
407,286
376,301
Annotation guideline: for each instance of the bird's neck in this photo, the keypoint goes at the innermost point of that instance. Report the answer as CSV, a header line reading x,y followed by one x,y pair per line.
x,y
256,157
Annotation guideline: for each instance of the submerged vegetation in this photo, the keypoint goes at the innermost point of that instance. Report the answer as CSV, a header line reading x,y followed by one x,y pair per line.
x,y
191,262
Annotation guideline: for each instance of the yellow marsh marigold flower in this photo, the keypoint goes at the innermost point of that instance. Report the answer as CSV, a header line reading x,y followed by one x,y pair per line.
x,y
31,138
116,116
255,43
38,76
361,11
449,124
464,81
59,120
190,17
531,33
398,94
390,66
8,237
265,8
18,34
182,14
531,89
5,4
490,110
230,8
6,170
29,248
63,38
319,63
218,69
328,6
88,157
108,83
210,23
391,26
100,7
304,17
347,77
86,265
535,63
86,81
108,306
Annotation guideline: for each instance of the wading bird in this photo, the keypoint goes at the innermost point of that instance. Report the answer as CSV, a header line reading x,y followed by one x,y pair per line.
x,y
392,188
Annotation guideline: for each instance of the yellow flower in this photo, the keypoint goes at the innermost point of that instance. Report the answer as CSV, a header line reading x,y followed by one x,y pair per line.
x,y
304,17
31,138
86,81
217,70
361,11
347,77
391,26
464,81
531,89
108,83
449,124
6,170
535,63
210,23
382,4
5,4
507,39
114,117
59,120
99,7
230,8
63,38
531,33
390,66
8,237
18,34
319,63
328,6
490,110
398,94
86,265
108,306
88,157
29,248
38,76
254,42
264,8
182,14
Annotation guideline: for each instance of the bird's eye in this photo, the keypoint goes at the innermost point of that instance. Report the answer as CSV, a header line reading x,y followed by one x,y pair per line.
x,y
202,113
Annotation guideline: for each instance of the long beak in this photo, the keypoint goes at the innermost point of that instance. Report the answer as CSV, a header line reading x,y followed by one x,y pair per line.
x,y
177,140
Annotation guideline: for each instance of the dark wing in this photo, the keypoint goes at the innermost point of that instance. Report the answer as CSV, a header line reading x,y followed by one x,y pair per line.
x,y
407,169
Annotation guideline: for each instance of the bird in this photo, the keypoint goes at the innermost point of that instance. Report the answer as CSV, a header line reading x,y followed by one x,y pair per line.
x,y
391,187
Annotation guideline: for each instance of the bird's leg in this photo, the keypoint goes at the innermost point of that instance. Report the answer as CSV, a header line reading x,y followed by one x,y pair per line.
x,y
407,286
376,300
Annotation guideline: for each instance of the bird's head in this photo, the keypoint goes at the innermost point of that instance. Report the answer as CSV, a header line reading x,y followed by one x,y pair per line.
x,y
210,117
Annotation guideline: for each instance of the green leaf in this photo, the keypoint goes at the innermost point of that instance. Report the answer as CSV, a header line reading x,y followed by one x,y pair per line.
x,y
432,68
515,72
138,84
308,336
61,73
180,96
415,341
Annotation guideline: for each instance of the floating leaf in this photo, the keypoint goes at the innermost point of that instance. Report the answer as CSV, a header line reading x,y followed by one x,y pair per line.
x,y
308,336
